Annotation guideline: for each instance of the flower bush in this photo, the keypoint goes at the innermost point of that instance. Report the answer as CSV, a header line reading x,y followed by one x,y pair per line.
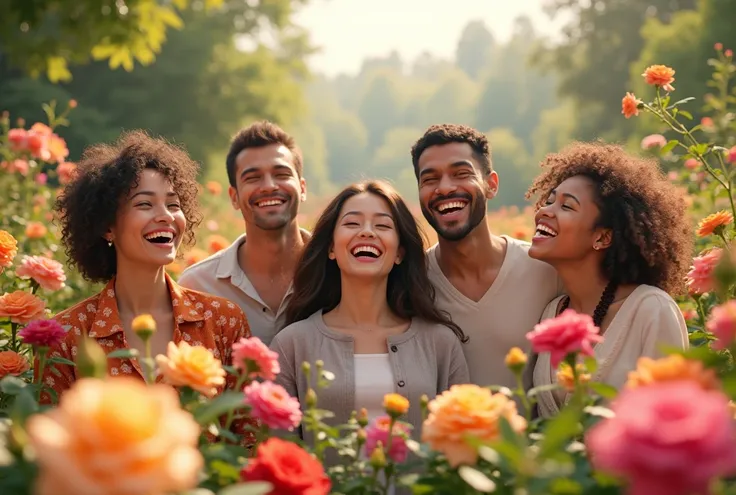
x,y
670,430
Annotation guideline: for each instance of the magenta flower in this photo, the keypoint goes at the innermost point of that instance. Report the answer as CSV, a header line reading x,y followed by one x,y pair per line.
x,y
253,355
377,431
43,333
567,333
273,406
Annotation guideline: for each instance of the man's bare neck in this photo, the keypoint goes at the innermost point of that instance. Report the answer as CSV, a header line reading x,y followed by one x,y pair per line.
x,y
275,252
478,251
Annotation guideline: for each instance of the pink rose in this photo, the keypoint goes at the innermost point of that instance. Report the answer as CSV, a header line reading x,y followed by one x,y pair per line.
x,y
653,141
668,439
255,358
66,171
43,333
48,273
692,164
18,165
41,179
700,277
377,431
273,406
732,155
722,323
567,333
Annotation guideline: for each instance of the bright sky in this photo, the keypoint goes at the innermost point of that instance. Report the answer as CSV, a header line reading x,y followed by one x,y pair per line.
x,y
349,30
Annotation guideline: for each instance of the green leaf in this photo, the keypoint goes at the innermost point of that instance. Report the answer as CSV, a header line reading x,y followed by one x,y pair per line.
x,y
669,146
559,431
224,403
698,149
684,100
565,486
12,385
24,406
604,390
253,488
542,388
591,365
476,479
124,354
686,114
61,360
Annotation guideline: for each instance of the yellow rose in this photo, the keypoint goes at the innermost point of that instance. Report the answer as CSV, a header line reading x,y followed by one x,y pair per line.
x,y
144,326
116,436
395,405
194,367
671,368
467,410
516,359
566,378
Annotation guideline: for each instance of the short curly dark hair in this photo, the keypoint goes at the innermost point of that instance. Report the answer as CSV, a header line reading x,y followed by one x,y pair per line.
x,y
439,134
652,236
105,175
259,134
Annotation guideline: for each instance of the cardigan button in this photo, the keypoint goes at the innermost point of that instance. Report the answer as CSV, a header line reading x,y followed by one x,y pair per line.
x,y
394,348
402,383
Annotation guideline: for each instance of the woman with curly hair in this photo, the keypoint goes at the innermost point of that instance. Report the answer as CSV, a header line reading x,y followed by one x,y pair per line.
x,y
616,231
362,303
123,218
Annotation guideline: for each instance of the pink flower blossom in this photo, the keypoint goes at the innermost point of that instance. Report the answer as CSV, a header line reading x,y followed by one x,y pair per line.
x,y
41,179
653,141
18,165
377,431
692,164
722,323
48,273
672,175
732,155
273,406
567,333
253,356
66,171
700,277
668,439
43,333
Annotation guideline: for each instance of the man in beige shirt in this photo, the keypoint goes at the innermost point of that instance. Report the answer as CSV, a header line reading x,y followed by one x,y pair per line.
x,y
487,283
264,167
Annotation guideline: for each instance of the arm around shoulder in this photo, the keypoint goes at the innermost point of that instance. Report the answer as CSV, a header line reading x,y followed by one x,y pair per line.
x,y
664,326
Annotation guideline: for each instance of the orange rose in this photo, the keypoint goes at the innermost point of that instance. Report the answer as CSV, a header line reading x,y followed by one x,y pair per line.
x,y
630,105
671,368
47,273
21,307
8,249
395,405
467,410
217,243
566,379
195,367
12,363
35,230
116,436
659,75
714,223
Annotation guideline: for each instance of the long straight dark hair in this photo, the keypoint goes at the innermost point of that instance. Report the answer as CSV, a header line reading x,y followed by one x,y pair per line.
x,y
317,284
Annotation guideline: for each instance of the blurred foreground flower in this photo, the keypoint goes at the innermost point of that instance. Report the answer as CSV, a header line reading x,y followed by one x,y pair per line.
x,y
191,366
116,436
377,432
722,324
566,378
671,368
467,410
273,406
667,439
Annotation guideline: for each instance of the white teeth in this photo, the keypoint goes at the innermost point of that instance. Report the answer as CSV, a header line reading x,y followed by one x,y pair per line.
x,y
270,202
451,204
366,249
166,235
546,230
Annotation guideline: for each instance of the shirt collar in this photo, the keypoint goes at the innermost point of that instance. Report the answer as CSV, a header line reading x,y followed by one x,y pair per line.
x,y
107,321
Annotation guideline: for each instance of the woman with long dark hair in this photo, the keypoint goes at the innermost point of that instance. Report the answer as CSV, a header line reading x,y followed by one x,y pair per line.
x,y
616,231
362,303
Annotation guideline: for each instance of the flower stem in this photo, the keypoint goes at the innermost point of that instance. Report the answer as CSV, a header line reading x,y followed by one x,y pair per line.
x,y
524,398
42,352
14,336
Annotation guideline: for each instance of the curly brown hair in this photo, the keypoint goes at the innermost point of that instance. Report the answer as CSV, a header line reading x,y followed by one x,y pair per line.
x,y
440,134
105,175
652,237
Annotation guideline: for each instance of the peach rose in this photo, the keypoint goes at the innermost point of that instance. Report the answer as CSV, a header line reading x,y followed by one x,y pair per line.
x,y
467,410
700,277
659,75
195,367
21,307
714,223
8,249
116,436
35,230
630,105
671,368
66,171
48,273
12,363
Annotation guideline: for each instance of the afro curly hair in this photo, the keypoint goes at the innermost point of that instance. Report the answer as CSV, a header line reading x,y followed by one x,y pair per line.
x,y
88,205
652,235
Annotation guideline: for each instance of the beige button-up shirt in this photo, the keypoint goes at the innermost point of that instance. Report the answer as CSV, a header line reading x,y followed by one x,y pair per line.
x,y
221,275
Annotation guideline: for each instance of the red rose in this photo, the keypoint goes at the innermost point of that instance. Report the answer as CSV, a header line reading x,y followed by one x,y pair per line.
x,y
289,468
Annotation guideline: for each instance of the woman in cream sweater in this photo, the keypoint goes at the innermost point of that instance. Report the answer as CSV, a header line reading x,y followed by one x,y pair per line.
x,y
362,303
616,231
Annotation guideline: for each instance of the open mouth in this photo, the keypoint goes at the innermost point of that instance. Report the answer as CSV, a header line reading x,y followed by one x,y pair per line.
x,y
544,231
264,203
366,252
160,237
451,207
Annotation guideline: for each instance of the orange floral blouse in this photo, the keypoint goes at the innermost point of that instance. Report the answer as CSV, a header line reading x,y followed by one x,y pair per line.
x,y
200,319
